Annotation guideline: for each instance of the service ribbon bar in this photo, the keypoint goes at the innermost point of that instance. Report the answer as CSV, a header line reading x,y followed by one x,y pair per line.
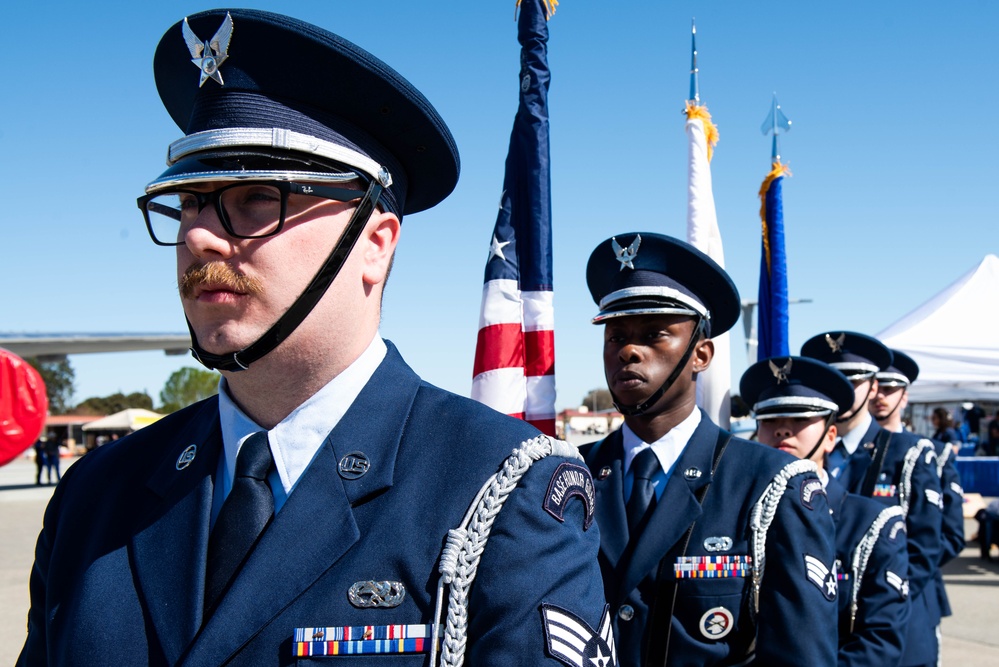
x,y
884,490
712,567
362,640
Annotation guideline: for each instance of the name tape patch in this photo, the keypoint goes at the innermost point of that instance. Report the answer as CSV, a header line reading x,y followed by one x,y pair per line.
x,y
568,481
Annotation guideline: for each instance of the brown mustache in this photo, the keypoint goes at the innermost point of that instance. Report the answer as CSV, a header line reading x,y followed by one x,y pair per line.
x,y
216,275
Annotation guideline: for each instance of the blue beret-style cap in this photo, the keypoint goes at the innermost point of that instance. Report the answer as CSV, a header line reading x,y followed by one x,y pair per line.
x,y
795,387
855,354
903,370
647,274
270,96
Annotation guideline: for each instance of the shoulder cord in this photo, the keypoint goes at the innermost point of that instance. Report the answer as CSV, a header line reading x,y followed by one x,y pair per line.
x,y
465,544
863,553
908,465
943,457
763,515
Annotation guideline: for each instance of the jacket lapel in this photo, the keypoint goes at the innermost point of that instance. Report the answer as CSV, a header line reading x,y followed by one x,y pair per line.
x,y
609,491
168,550
319,506
675,510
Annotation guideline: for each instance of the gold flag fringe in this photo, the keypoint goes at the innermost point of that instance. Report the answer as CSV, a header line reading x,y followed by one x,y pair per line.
x,y
776,172
549,6
710,129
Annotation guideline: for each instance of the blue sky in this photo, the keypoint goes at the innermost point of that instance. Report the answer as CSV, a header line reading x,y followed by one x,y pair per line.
x,y
893,154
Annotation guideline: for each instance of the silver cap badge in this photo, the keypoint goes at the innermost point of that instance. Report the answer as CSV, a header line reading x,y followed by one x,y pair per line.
x,y
209,56
782,373
836,344
626,255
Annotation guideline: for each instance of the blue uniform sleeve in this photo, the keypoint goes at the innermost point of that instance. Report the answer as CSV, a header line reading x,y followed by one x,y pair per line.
x,y
882,603
923,521
535,559
952,529
798,605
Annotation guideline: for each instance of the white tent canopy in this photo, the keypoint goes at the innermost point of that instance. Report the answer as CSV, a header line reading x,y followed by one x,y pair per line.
x,y
131,419
954,337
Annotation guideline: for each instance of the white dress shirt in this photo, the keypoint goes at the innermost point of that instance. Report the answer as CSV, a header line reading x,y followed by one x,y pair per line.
x,y
667,449
852,439
295,441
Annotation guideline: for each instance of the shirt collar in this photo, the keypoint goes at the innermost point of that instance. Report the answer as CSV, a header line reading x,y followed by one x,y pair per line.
x,y
852,439
667,448
296,439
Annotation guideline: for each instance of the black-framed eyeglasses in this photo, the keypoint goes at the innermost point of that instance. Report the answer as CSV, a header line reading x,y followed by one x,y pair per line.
x,y
247,210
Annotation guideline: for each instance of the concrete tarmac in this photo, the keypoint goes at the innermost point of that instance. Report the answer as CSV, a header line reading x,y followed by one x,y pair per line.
x,y
970,637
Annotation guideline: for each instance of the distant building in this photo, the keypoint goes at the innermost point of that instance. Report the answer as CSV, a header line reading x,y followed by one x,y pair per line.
x,y
581,425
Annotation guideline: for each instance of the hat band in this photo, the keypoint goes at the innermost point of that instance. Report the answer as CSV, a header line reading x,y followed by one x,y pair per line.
x,y
282,139
854,369
605,315
819,406
695,307
892,379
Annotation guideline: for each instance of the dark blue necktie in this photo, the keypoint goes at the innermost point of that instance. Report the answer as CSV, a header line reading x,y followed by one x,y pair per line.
x,y
837,458
643,468
243,517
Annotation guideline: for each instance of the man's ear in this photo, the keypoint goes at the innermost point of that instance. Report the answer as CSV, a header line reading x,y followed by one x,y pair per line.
x,y
381,235
704,352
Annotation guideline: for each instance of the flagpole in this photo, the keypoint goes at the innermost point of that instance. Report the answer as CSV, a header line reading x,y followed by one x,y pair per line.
x,y
773,292
714,384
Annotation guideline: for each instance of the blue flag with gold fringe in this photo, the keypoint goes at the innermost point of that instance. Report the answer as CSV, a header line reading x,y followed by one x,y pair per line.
x,y
772,334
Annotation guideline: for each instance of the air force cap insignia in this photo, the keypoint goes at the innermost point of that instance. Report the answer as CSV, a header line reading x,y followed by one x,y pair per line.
x,y
569,480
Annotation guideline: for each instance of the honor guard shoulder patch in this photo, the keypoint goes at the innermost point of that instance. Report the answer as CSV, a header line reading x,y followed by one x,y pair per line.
x,y
809,489
820,575
569,480
570,640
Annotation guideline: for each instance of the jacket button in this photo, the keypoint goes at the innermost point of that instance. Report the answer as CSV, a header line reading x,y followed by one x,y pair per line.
x,y
626,612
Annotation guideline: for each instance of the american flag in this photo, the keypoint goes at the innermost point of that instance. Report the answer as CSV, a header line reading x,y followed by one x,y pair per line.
x,y
514,369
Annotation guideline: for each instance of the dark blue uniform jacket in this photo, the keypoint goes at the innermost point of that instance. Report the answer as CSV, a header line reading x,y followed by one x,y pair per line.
x,y
875,635
923,526
120,563
713,622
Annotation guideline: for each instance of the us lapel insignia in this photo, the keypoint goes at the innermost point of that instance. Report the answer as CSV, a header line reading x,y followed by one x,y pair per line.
x,y
376,594
187,456
353,465
570,640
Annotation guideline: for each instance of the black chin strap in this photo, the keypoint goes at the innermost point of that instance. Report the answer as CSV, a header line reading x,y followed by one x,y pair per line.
x,y
829,422
303,305
849,414
651,400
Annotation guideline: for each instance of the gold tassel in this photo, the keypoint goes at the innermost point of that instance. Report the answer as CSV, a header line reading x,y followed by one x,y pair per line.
x,y
549,6
710,129
776,172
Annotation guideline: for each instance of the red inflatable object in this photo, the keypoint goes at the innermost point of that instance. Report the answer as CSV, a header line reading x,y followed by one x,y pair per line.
x,y
23,406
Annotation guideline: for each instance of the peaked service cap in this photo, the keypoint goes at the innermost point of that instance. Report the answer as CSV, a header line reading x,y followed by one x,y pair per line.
x,y
647,274
856,355
269,96
795,387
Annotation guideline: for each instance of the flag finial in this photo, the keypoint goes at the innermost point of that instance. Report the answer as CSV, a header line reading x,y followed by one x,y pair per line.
x,y
777,123
695,95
